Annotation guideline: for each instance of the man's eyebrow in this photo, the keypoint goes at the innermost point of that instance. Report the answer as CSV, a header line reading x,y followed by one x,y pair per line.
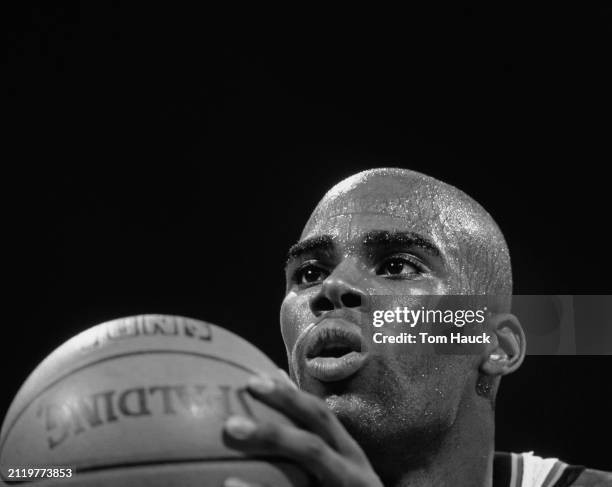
x,y
320,243
376,238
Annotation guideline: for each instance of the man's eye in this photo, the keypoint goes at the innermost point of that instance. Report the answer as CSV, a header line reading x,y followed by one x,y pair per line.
x,y
310,274
398,267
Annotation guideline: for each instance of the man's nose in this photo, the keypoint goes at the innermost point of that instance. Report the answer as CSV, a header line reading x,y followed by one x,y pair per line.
x,y
343,288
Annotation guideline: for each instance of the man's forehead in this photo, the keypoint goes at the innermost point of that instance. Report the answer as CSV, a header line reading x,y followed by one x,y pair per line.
x,y
381,194
400,207
347,215
354,226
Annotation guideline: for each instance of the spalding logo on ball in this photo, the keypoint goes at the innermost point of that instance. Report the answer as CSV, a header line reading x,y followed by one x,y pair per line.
x,y
142,401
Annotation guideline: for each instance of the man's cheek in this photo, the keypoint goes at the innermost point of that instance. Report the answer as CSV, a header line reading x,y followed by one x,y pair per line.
x,y
295,315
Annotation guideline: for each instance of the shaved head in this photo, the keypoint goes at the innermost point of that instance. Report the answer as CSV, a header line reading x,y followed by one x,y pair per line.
x,y
463,230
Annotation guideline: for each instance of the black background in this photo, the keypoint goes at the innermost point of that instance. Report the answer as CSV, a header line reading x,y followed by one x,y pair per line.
x,y
163,159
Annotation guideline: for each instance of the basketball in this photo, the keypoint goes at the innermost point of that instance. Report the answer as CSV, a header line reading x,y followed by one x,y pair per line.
x,y
141,401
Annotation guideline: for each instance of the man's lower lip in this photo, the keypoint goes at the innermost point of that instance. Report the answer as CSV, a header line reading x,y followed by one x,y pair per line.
x,y
332,369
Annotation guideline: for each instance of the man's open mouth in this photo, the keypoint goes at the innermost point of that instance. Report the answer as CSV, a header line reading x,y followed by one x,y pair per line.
x,y
333,352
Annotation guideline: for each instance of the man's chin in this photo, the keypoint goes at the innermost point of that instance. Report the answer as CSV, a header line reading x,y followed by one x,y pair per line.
x,y
353,400
354,407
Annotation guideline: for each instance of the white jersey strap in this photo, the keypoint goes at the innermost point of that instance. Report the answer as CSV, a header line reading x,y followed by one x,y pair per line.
x,y
529,470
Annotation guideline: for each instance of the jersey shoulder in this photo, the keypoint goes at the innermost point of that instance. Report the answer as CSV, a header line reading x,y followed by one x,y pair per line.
x,y
529,470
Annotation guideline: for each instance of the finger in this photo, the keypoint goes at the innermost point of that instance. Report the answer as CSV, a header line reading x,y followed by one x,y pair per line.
x,y
305,448
287,379
307,411
236,482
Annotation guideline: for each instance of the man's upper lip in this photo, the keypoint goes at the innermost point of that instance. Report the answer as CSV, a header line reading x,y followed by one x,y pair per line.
x,y
339,315
334,332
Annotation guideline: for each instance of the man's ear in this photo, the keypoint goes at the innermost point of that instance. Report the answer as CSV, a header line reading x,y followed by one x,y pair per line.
x,y
508,346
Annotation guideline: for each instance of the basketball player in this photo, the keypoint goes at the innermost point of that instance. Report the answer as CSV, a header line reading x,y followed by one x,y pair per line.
x,y
368,416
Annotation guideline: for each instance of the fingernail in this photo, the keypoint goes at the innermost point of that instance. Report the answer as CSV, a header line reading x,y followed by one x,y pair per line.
x,y
240,427
234,482
261,383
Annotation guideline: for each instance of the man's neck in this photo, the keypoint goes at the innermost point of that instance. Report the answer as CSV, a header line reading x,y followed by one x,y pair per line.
x,y
464,458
